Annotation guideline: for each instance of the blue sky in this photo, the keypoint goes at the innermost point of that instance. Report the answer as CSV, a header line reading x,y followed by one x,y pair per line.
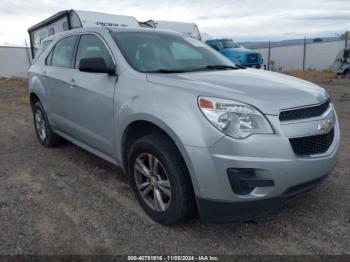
x,y
238,19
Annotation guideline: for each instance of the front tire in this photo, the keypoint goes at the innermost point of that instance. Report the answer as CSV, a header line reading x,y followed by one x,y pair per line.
x,y
160,180
42,126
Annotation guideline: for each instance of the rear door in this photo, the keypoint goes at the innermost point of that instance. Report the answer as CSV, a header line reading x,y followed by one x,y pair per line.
x,y
60,63
92,97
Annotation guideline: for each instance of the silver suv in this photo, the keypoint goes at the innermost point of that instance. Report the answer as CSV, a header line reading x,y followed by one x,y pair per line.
x,y
192,130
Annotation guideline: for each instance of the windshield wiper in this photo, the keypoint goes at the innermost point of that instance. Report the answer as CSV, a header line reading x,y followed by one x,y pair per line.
x,y
166,71
217,67
206,68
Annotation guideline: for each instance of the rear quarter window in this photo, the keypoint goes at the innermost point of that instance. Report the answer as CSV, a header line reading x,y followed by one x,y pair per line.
x,y
41,49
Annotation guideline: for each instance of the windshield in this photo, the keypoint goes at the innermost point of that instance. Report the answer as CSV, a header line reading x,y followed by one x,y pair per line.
x,y
163,52
227,44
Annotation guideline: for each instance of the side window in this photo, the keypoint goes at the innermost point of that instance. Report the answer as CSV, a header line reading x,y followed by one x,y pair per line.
x,y
42,48
91,46
36,41
65,26
51,31
213,45
181,52
63,52
49,58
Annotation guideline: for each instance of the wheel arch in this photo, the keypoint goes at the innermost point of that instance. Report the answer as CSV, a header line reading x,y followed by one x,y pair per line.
x,y
140,128
33,98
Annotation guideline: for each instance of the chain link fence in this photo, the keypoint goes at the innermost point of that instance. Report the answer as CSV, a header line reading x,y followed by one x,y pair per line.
x,y
306,56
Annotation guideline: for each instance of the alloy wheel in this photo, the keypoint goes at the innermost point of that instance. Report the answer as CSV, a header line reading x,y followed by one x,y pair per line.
x,y
152,182
40,125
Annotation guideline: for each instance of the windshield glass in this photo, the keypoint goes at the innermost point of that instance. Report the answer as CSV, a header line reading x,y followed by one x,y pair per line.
x,y
227,44
157,51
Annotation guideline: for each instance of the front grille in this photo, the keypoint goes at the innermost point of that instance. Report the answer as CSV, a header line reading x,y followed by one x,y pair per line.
x,y
311,145
252,58
302,113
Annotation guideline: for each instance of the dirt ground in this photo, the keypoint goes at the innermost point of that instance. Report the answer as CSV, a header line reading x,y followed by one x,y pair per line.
x,y
67,201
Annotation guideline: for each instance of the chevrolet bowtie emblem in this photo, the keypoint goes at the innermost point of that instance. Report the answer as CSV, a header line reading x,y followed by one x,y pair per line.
x,y
325,125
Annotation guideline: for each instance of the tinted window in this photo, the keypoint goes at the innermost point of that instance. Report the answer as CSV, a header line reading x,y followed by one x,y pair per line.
x,y
91,46
212,44
36,41
152,51
51,31
65,26
63,52
227,44
42,48
49,58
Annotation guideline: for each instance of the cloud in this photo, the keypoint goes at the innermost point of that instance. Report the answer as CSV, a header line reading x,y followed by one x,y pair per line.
x,y
239,19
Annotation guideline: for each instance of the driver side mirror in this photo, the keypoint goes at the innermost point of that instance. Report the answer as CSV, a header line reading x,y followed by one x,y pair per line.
x,y
95,65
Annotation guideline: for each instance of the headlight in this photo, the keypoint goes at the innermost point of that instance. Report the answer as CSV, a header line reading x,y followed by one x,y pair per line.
x,y
234,118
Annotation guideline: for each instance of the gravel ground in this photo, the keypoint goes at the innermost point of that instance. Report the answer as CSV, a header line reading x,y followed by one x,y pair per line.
x,y
67,201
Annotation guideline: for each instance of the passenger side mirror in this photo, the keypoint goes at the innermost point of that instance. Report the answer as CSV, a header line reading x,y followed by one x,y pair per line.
x,y
95,65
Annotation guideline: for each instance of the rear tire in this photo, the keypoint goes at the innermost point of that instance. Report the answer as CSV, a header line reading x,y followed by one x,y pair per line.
x,y
160,180
347,74
42,126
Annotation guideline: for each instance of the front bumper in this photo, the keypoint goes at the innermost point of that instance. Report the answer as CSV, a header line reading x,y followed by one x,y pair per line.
x,y
223,212
270,156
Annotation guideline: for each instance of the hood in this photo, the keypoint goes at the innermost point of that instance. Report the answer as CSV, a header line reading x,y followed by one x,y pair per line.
x,y
241,50
268,91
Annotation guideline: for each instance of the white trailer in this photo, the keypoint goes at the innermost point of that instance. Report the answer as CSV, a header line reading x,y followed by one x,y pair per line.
x,y
70,19
187,28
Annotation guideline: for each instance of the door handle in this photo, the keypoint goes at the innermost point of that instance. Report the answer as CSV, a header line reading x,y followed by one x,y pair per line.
x,y
73,84
44,74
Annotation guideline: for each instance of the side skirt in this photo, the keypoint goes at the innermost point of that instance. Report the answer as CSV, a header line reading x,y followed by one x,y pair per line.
x,y
87,147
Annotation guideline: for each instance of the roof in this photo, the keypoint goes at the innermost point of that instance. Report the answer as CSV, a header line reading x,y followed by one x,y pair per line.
x,y
110,29
49,20
88,18
91,19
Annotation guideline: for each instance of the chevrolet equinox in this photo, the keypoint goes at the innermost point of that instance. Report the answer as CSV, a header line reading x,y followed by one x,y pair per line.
x,y
193,131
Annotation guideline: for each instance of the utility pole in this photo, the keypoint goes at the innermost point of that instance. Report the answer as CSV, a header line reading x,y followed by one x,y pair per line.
x,y
27,51
346,39
304,55
269,56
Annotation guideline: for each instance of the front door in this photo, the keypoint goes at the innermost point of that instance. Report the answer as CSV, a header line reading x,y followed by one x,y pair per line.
x,y
93,96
